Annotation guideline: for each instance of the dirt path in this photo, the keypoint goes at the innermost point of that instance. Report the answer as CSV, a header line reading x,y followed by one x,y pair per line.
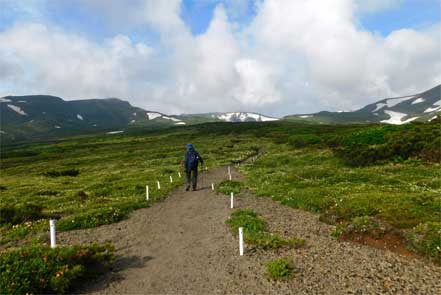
x,y
182,246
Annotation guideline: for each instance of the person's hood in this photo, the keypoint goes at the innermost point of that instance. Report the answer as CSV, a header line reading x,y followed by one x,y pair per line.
x,y
190,147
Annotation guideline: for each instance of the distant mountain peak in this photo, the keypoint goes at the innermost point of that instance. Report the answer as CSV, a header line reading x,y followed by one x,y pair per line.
x,y
395,110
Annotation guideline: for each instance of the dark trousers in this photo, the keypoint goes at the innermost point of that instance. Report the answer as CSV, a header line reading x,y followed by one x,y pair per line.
x,y
192,177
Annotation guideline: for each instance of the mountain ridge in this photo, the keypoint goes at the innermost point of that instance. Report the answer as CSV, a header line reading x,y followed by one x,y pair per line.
x,y
27,116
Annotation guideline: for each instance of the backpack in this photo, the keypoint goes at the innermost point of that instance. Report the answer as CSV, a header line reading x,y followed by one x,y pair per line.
x,y
192,159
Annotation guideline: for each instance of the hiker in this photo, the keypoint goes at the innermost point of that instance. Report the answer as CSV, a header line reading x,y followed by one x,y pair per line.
x,y
192,159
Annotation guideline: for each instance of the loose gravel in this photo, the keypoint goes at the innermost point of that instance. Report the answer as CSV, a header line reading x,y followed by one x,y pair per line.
x,y
182,246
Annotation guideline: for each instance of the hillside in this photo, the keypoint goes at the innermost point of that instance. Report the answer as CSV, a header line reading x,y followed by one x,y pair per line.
x,y
322,186
33,116
397,110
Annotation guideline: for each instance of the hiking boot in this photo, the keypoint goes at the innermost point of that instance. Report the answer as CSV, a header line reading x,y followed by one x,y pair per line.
x,y
187,188
193,189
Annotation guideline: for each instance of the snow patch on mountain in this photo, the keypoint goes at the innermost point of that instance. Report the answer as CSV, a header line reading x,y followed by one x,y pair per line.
x,y
305,116
437,106
243,117
180,123
17,109
418,100
79,117
391,102
171,118
115,132
379,106
396,118
152,115
5,100
57,127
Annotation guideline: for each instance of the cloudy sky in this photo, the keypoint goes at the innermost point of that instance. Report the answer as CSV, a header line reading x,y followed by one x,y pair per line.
x,y
277,57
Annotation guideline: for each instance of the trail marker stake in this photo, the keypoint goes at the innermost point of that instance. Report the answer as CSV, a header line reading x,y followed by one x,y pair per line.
x,y
159,185
147,192
232,200
52,230
212,186
229,170
171,179
241,241
229,176
179,174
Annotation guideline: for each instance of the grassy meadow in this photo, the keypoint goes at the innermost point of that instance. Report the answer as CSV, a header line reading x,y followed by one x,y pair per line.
x,y
355,176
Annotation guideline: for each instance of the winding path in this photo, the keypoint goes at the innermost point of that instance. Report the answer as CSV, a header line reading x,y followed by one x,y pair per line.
x,y
182,246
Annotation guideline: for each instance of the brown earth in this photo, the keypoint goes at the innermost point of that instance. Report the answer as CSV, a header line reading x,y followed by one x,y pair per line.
x,y
182,246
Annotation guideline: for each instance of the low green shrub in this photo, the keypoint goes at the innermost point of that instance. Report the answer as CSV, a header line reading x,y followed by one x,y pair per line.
x,y
303,140
228,186
391,144
279,269
20,213
66,172
92,218
40,269
425,238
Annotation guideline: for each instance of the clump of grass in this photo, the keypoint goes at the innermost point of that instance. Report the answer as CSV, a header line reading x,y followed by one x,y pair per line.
x,y
43,270
229,186
248,220
256,233
47,193
59,173
279,269
426,238
20,213
92,218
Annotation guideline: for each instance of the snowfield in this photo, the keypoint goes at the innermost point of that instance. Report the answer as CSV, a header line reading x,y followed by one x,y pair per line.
x,y
418,100
153,116
5,100
17,109
79,117
391,102
437,106
396,118
242,117
115,132
379,106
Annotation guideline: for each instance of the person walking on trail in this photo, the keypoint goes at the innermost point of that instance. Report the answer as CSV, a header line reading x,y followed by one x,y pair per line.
x,y
192,159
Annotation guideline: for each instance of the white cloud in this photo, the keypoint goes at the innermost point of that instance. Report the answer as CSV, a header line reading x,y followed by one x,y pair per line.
x,y
294,57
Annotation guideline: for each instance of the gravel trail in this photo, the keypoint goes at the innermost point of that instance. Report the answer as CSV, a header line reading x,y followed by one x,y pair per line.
x,y
182,246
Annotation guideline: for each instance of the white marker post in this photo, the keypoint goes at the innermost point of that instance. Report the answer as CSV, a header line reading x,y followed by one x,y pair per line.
x,y
52,230
147,192
229,176
241,241
171,179
212,186
229,170
159,185
232,200
179,174
206,168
